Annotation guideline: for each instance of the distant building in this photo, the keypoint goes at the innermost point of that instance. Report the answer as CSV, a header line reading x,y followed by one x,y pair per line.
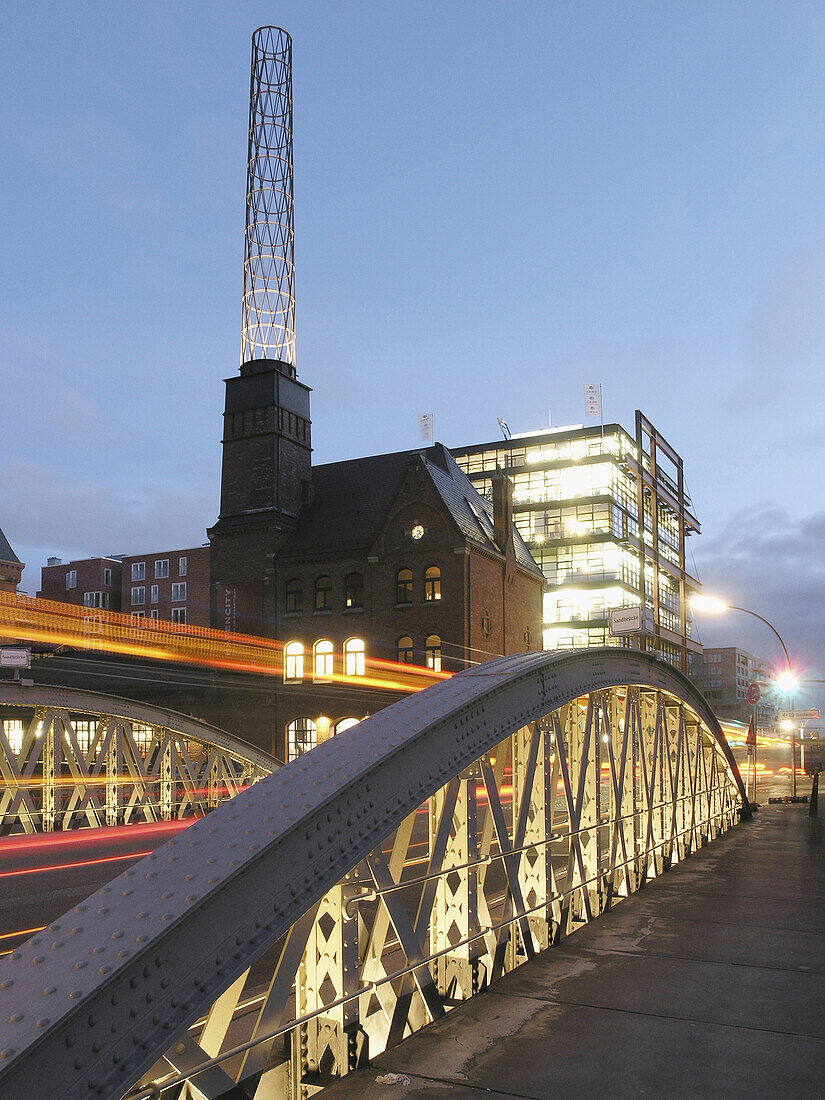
x,y
607,516
172,585
11,568
88,582
169,584
723,678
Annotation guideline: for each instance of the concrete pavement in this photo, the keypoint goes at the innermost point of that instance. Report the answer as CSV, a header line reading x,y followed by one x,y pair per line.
x,y
710,982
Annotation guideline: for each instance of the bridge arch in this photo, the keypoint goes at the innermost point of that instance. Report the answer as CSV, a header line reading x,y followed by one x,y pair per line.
x,y
92,1002
72,758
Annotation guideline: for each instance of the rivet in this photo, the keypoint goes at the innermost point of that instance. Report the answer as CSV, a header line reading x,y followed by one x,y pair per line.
x,y
44,1021
16,1017
7,1052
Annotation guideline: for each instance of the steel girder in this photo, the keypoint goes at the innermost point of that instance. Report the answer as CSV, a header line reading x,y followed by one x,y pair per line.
x,y
141,763
94,1000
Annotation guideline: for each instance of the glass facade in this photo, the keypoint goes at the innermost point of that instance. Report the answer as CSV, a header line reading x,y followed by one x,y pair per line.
x,y
576,502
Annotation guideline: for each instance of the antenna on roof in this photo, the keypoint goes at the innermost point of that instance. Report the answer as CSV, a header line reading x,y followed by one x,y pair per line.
x,y
505,428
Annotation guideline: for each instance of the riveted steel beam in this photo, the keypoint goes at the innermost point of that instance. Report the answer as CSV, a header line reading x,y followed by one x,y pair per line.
x,y
92,1001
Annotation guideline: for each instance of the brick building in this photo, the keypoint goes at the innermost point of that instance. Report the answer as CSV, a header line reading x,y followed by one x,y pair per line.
x,y
11,568
394,557
88,582
399,559
170,584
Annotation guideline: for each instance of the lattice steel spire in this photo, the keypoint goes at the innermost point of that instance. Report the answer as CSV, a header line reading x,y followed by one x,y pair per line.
x,y
268,324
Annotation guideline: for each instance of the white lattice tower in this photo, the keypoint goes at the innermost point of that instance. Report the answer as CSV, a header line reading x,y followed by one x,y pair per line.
x,y
268,323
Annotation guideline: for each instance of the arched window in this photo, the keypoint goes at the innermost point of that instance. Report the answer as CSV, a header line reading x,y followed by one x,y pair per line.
x,y
432,648
293,661
346,724
432,583
403,586
354,657
294,596
323,594
322,654
405,650
354,590
302,735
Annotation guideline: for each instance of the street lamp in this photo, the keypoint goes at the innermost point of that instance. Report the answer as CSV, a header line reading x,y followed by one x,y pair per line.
x,y
716,606
785,681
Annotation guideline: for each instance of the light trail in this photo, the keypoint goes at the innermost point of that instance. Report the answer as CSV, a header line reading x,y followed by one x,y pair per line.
x,y
54,623
78,863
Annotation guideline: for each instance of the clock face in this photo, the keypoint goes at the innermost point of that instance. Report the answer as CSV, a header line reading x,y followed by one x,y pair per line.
x,y
417,531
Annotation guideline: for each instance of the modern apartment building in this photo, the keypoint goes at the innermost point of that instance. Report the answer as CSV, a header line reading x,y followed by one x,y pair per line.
x,y
172,585
726,672
607,516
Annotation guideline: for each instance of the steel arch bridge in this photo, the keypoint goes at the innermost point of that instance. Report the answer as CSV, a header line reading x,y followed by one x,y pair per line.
x,y
72,759
295,932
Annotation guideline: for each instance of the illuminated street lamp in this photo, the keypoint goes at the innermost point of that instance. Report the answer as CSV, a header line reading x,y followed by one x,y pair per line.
x,y
785,681
716,606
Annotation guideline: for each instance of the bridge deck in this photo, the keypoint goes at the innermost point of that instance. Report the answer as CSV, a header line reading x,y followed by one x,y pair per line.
x,y
709,982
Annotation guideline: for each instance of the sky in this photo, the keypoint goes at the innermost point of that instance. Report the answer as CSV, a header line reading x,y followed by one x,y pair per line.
x,y
495,203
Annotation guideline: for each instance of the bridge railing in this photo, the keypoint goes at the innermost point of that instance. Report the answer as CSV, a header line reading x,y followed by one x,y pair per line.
x,y
75,759
372,885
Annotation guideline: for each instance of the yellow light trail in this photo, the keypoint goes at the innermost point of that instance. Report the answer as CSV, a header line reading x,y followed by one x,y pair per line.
x,y
51,623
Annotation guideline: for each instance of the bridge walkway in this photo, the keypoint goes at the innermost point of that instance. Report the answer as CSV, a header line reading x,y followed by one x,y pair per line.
x,y
709,982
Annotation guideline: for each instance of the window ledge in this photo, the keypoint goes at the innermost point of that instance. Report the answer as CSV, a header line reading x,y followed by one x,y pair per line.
x,y
322,611
353,611
293,614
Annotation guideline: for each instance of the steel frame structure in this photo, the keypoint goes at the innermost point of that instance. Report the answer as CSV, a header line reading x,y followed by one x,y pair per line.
x,y
296,931
268,323
140,764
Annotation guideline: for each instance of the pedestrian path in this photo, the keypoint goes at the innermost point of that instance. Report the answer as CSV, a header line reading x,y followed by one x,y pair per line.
x,y
710,982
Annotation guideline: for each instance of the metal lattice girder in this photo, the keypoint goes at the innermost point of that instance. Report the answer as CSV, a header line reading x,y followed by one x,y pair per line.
x,y
268,324
93,1001
50,781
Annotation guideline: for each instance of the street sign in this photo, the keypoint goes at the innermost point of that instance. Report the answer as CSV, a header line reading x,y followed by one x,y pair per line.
x,y
754,694
631,620
15,657
796,715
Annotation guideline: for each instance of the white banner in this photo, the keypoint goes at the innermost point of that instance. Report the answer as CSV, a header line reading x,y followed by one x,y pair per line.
x,y
425,425
593,399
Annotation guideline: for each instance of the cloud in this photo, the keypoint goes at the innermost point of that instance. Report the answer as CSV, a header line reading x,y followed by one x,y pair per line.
x,y
774,565
45,513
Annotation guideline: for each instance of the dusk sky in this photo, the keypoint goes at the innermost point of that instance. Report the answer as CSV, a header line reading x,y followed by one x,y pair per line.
x,y
495,203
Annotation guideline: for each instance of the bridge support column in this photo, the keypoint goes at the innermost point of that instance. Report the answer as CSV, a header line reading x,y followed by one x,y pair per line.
x,y
331,1044
455,911
532,825
47,759
167,771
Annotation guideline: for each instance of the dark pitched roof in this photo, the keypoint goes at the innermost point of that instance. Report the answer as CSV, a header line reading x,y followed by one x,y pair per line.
x,y
6,552
351,500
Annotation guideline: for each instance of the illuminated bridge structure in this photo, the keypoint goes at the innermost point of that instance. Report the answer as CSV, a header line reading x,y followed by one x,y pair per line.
x,y
79,759
351,897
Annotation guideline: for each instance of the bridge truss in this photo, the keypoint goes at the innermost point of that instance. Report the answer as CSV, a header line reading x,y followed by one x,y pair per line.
x,y
72,759
368,887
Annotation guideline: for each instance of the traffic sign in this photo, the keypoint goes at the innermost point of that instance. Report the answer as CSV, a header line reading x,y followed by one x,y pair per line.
x,y
754,694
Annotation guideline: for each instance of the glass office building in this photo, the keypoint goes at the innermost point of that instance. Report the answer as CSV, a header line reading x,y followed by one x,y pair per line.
x,y
607,517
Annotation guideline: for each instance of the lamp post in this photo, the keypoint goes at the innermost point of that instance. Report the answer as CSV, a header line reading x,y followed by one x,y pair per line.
x,y
785,681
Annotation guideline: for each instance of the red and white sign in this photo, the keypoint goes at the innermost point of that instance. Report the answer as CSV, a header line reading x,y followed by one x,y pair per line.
x,y
754,694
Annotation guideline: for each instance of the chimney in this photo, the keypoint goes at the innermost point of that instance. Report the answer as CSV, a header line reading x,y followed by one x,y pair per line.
x,y
502,509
